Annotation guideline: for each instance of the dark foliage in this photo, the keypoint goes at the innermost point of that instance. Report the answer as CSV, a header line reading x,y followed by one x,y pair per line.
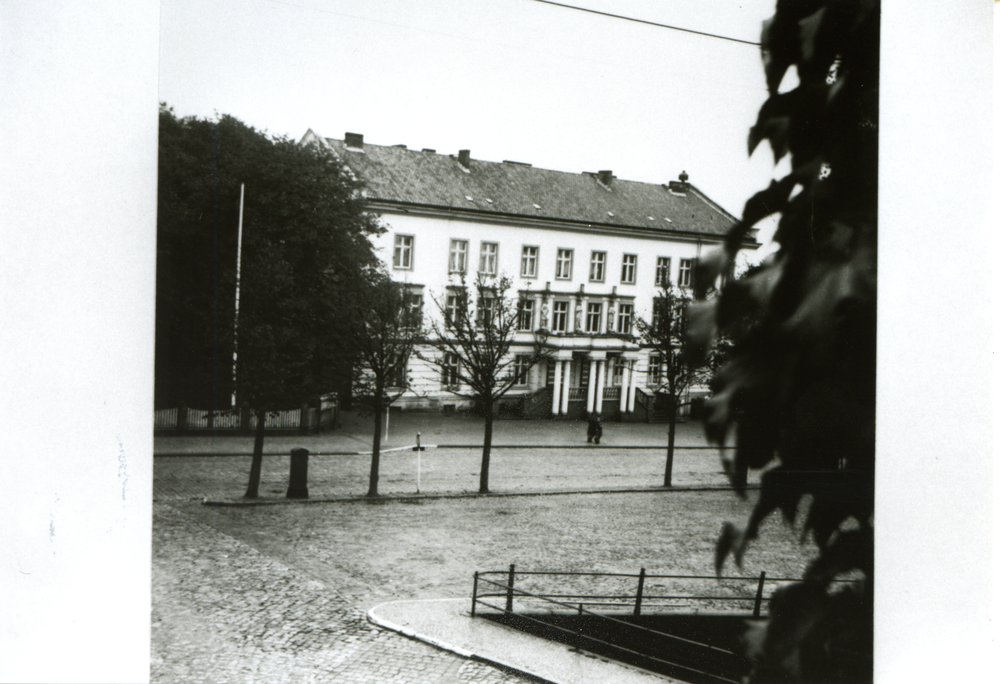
x,y
304,234
303,228
798,390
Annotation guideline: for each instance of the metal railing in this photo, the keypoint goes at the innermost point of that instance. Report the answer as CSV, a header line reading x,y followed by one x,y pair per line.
x,y
570,603
641,597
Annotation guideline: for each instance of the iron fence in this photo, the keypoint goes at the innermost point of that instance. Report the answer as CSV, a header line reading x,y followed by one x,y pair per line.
x,y
743,591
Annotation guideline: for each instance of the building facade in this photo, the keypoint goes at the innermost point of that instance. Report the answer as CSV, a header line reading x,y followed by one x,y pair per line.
x,y
587,252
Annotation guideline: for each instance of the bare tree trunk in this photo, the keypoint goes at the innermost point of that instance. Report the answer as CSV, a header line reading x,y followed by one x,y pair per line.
x,y
376,447
257,462
484,468
671,430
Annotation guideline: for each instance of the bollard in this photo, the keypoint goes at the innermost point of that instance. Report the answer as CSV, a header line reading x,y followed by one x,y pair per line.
x,y
418,449
298,475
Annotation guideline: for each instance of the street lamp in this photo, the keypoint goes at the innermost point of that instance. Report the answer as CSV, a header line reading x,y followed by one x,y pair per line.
x,y
541,335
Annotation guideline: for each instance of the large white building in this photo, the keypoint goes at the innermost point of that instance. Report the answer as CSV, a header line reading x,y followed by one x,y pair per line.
x,y
587,250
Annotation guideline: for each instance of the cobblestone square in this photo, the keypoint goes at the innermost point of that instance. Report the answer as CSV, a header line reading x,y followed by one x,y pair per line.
x,y
280,592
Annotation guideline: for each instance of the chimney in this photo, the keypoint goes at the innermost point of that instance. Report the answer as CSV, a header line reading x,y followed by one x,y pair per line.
x,y
604,177
463,159
354,141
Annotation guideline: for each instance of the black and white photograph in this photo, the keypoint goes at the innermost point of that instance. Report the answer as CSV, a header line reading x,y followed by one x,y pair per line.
x,y
498,341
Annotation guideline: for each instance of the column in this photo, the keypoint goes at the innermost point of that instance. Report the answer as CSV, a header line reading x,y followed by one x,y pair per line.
x,y
567,381
599,390
626,383
591,384
632,385
556,385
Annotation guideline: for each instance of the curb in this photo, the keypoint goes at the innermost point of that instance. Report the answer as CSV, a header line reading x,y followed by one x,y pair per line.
x,y
388,624
445,646
203,454
386,498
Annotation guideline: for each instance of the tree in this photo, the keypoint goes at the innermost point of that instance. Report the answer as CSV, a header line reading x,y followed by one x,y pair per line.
x,y
304,225
473,340
664,335
799,387
387,320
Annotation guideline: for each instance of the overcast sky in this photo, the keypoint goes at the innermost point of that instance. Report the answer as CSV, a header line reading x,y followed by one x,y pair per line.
x,y
507,79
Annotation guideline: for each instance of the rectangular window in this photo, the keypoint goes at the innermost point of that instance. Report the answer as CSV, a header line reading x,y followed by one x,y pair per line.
x,y
594,317
618,372
597,266
625,319
529,262
564,264
662,271
414,309
653,374
560,316
522,365
397,371
486,311
628,269
451,309
402,252
661,316
525,314
457,255
449,370
488,258
684,275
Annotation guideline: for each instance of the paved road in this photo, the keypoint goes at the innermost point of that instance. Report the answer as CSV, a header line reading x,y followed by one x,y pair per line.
x,y
225,612
441,471
279,593
355,434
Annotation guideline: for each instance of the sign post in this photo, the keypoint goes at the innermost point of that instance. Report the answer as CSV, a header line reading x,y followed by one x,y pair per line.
x,y
418,449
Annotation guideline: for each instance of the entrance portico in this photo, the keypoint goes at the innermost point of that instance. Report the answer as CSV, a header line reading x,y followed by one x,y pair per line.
x,y
562,361
628,384
595,386
586,377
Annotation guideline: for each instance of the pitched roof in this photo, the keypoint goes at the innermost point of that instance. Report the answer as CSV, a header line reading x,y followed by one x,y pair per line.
x,y
397,175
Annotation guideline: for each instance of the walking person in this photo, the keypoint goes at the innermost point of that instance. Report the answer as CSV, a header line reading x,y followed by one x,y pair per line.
x,y
594,428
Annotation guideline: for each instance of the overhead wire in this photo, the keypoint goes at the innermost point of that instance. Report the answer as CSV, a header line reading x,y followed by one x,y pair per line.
x,y
545,2
647,22
411,27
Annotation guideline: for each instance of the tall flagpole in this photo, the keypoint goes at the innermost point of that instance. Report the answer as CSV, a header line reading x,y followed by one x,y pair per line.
x,y
236,317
